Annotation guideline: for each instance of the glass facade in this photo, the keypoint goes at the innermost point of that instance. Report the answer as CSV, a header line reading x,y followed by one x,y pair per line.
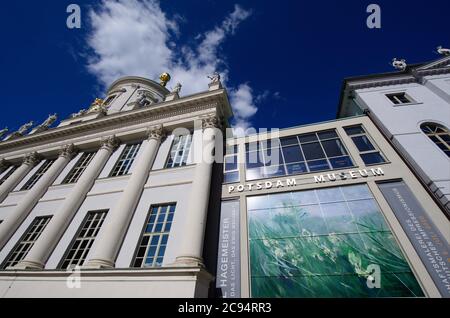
x,y
322,243
304,153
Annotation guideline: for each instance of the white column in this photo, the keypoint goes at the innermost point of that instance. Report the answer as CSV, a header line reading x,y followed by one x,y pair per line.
x,y
116,224
190,252
51,235
13,180
21,211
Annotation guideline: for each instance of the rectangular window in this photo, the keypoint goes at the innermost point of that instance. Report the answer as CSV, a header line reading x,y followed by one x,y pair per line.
x,y
399,98
82,244
230,164
27,241
125,160
39,173
109,100
367,149
296,154
179,151
152,246
79,168
320,243
8,174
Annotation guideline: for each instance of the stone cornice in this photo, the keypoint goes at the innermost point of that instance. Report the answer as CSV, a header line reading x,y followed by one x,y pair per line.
x,y
159,111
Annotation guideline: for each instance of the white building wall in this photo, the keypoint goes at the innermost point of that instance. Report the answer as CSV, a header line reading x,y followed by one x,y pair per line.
x,y
401,123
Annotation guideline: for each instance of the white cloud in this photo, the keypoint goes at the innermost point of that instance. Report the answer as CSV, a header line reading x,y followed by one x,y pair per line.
x,y
130,37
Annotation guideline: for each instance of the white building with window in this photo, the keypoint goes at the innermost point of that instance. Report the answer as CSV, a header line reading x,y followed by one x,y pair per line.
x,y
412,109
112,202
129,199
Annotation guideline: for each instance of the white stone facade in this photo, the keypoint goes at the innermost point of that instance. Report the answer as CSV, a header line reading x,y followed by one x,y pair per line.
x,y
427,87
108,267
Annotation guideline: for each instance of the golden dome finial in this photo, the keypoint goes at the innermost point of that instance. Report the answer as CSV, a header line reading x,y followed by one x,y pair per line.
x,y
164,77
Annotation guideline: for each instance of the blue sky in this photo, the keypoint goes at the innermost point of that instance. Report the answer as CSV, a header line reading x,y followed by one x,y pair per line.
x,y
283,62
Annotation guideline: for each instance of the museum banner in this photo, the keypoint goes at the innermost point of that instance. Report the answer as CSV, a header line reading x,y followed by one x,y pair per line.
x,y
228,279
426,238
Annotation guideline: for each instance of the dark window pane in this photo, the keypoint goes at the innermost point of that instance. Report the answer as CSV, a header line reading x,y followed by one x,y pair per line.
x,y
341,162
307,138
354,130
446,138
231,177
363,143
313,151
318,165
371,158
289,141
292,154
327,134
296,168
333,148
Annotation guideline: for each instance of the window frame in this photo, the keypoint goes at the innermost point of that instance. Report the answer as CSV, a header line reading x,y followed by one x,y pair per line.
x,y
233,153
21,242
437,135
297,142
120,160
69,178
376,149
89,239
45,166
152,234
400,103
188,140
109,100
8,174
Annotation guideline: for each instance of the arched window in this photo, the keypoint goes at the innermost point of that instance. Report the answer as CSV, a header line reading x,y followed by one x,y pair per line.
x,y
439,135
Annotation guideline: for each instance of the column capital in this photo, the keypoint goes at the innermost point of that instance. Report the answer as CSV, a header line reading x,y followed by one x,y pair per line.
x,y
210,121
31,159
110,143
155,132
67,151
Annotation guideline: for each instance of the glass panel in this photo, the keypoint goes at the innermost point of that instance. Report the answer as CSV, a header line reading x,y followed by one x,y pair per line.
x,y
313,151
363,143
318,165
354,130
253,159
292,154
334,148
230,163
296,168
327,134
253,174
307,138
289,141
231,177
372,158
341,162
272,171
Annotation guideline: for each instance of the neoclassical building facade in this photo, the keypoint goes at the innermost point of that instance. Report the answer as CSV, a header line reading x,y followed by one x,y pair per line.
x,y
115,192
